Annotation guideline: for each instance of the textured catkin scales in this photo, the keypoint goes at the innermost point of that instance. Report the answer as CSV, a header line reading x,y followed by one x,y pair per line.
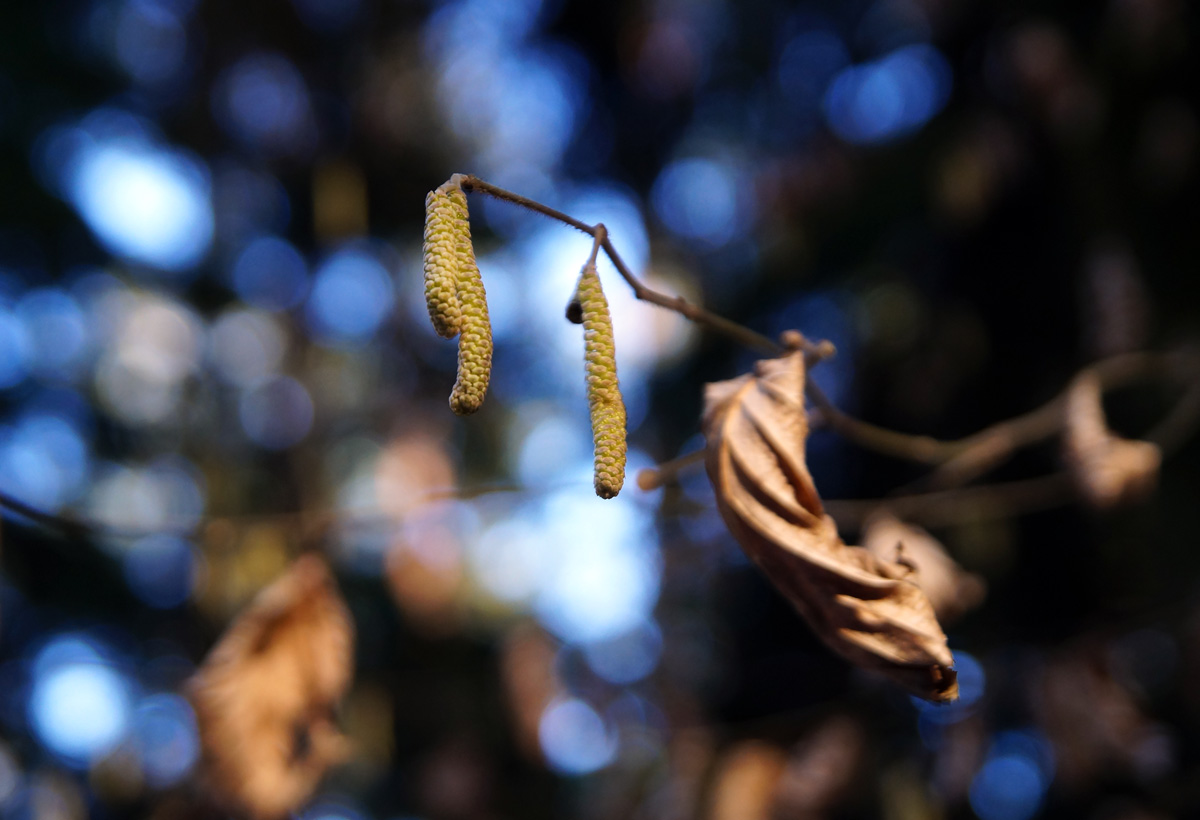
x,y
445,215
604,393
475,344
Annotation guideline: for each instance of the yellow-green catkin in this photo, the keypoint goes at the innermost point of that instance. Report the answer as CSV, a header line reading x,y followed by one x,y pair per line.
x,y
603,391
445,221
475,344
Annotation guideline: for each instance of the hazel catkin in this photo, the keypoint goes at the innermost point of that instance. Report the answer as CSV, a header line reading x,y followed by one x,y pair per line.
x,y
603,390
475,343
445,221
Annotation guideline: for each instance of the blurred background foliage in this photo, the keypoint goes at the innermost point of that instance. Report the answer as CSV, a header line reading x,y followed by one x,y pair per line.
x,y
213,348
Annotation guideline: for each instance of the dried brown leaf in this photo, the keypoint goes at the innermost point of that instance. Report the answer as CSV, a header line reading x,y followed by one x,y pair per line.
x,y
264,697
863,607
951,589
1107,470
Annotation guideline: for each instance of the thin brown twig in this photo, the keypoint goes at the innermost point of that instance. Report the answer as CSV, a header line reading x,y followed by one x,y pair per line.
x,y
697,314
956,461
954,506
668,472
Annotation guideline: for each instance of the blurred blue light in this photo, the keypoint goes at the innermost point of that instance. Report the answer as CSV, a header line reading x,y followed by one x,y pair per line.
x,y
332,809
590,571
485,25
144,202
808,62
514,103
604,576
628,657
703,200
1008,787
43,461
150,41
890,97
56,328
277,413
164,729
262,100
553,449
574,738
79,704
16,348
351,296
270,273
160,569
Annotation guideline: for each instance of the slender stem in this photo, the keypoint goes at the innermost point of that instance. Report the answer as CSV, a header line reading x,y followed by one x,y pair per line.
x,y
652,478
697,314
957,461
954,506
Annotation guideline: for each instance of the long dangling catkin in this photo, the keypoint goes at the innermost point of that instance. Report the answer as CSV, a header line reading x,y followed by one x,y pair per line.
x,y
445,220
603,391
475,344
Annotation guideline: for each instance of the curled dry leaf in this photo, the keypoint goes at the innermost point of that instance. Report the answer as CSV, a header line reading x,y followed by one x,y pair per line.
x,y
264,697
1106,469
863,607
951,589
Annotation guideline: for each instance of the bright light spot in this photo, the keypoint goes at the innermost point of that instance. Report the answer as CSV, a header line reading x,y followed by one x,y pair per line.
x,y
157,344
704,200
16,348
889,98
56,328
515,105
160,569
144,202
604,573
163,495
263,101
590,571
508,560
277,413
351,297
574,738
79,704
164,729
271,274
43,461
246,346
553,449
628,657
150,41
